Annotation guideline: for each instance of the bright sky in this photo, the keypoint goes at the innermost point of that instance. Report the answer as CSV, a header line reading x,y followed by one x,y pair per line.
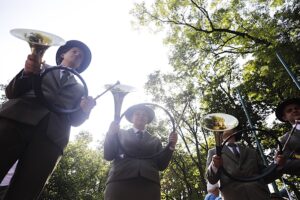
x,y
119,52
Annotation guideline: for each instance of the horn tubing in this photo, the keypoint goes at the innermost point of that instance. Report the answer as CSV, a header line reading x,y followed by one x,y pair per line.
x,y
118,101
156,105
165,148
37,87
252,127
111,87
254,134
288,70
271,168
290,135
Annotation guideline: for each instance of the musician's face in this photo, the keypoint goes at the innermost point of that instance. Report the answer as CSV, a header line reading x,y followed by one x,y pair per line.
x,y
73,58
140,118
228,133
291,113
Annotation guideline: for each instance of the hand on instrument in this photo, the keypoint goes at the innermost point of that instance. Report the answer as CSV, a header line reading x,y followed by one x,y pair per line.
x,y
32,65
87,104
173,140
280,159
114,128
217,161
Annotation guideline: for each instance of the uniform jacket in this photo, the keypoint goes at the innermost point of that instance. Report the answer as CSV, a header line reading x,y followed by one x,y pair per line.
x,y
24,107
124,167
293,146
292,165
249,164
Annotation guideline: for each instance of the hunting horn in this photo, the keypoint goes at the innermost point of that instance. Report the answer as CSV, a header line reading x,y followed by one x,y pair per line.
x,y
39,41
119,92
218,123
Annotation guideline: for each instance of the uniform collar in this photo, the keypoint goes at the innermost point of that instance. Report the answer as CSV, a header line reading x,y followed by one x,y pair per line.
x,y
135,130
297,127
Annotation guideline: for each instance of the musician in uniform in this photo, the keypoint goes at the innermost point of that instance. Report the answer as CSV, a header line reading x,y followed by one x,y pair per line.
x,y
131,177
289,111
29,131
239,161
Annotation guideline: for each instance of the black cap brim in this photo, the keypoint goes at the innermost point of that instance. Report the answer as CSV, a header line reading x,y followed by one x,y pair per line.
x,y
129,112
75,43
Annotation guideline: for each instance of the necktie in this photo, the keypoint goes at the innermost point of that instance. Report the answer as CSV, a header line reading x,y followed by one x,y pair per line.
x,y
139,134
64,77
234,148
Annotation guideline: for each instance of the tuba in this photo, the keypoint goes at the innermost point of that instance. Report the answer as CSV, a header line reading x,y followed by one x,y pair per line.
x,y
218,123
39,41
119,92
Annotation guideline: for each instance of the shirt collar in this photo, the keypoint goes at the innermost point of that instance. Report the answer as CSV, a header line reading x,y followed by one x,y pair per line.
x,y
297,127
135,130
231,143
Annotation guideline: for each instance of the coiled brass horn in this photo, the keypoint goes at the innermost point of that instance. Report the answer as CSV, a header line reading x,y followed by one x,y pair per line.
x,y
39,41
218,123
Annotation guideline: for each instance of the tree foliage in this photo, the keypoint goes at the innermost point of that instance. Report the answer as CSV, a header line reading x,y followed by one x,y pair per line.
x,y
223,55
2,97
80,174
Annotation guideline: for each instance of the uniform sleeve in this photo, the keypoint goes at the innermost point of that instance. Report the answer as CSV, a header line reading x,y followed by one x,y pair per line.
x,y
111,146
287,150
212,175
19,85
164,158
272,172
77,118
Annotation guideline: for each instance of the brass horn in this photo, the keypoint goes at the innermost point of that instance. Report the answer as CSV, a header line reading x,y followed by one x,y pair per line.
x,y
119,92
218,123
39,41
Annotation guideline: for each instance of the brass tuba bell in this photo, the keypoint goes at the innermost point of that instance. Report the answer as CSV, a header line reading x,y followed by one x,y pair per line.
x,y
218,123
39,41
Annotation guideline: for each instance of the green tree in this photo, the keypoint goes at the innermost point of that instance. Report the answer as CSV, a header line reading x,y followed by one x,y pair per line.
x,y
80,174
203,33
2,97
218,48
